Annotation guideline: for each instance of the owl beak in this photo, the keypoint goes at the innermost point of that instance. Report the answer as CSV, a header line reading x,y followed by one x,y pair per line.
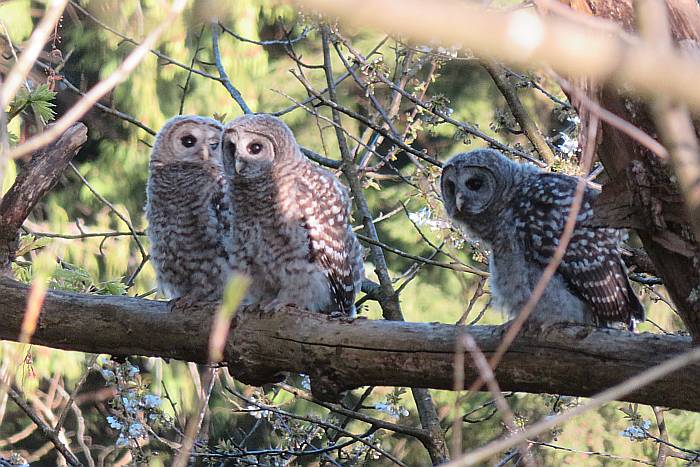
x,y
459,201
240,166
205,153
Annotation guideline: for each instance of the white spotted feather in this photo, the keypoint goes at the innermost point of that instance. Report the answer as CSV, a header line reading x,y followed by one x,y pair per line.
x,y
520,211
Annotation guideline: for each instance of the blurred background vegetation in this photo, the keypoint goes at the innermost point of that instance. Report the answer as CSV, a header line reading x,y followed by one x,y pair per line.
x,y
115,160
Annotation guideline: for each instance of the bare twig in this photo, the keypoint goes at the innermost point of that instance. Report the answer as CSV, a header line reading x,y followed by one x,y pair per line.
x,y
591,453
285,42
100,89
663,434
487,374
46,430
315,421
597,49
615,392
390,303
469,129
125,38
185,87
223,76
396,251
194,424
111,207
336,108
527,124
373,421
613,120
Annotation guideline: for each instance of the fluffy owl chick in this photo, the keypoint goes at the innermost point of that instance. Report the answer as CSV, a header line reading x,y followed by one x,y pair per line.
x,y
519,211
186,209
291,230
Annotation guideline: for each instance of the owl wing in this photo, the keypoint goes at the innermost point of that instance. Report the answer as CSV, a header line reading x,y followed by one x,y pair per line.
x,y
325,208
591,267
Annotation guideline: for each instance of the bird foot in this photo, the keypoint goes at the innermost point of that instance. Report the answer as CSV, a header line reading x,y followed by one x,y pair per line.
x,y
189,301
530,326
182,304
274,305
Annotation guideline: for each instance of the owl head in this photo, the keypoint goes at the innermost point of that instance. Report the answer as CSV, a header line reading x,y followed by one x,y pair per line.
x,y
254,144
188,138
477,183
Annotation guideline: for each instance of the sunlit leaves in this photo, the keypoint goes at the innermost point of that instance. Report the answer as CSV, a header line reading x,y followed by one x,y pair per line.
x,y
39,100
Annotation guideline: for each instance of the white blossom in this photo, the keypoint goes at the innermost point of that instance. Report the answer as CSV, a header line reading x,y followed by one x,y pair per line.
x,y
423,217
569,145
122,441
136,430
114,422
151,401
636,432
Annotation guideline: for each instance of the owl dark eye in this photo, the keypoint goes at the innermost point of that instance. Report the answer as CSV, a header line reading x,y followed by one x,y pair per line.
x,y
474,184
254,148
188,141
449,189
213,146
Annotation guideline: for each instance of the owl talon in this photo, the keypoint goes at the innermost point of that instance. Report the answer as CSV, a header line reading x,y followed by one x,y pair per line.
x,y
182,304
531,326
275,305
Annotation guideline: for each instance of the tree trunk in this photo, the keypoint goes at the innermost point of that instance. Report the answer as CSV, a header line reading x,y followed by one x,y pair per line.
x,y
642,193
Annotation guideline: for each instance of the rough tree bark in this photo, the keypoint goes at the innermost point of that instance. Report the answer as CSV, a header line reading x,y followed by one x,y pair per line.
x,y
340,355
36,179
642,193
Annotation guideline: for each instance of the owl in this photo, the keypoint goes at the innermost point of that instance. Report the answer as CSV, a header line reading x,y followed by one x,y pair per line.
x,y
290,229
519,212
186,209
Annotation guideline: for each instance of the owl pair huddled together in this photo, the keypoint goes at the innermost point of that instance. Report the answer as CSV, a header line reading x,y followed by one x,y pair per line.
x,y
519,212
241,198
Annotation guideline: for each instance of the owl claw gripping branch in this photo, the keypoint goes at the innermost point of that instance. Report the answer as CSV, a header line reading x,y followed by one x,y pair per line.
x,y
520,211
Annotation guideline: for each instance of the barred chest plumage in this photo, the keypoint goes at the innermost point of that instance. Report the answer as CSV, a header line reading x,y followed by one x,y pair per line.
x,y
186,211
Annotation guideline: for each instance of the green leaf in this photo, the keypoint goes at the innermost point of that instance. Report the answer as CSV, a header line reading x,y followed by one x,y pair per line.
x,y
43,93
70,278
111,288
44,110
219,117
40,100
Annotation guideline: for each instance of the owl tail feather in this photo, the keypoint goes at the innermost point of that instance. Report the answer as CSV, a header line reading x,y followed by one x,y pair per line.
x,y
636,310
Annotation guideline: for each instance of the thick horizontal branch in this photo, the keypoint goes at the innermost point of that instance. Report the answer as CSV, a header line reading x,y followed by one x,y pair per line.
x,y
341,354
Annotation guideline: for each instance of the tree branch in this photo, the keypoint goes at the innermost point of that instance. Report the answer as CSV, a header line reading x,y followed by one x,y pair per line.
x,y
37,178
46,430
500,77
571,360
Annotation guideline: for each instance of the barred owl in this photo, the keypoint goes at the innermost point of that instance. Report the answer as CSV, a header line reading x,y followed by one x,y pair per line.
x,y
519,211
291,229
186,209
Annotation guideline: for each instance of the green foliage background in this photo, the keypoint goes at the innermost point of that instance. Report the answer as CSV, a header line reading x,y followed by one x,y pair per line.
x,y
115,162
